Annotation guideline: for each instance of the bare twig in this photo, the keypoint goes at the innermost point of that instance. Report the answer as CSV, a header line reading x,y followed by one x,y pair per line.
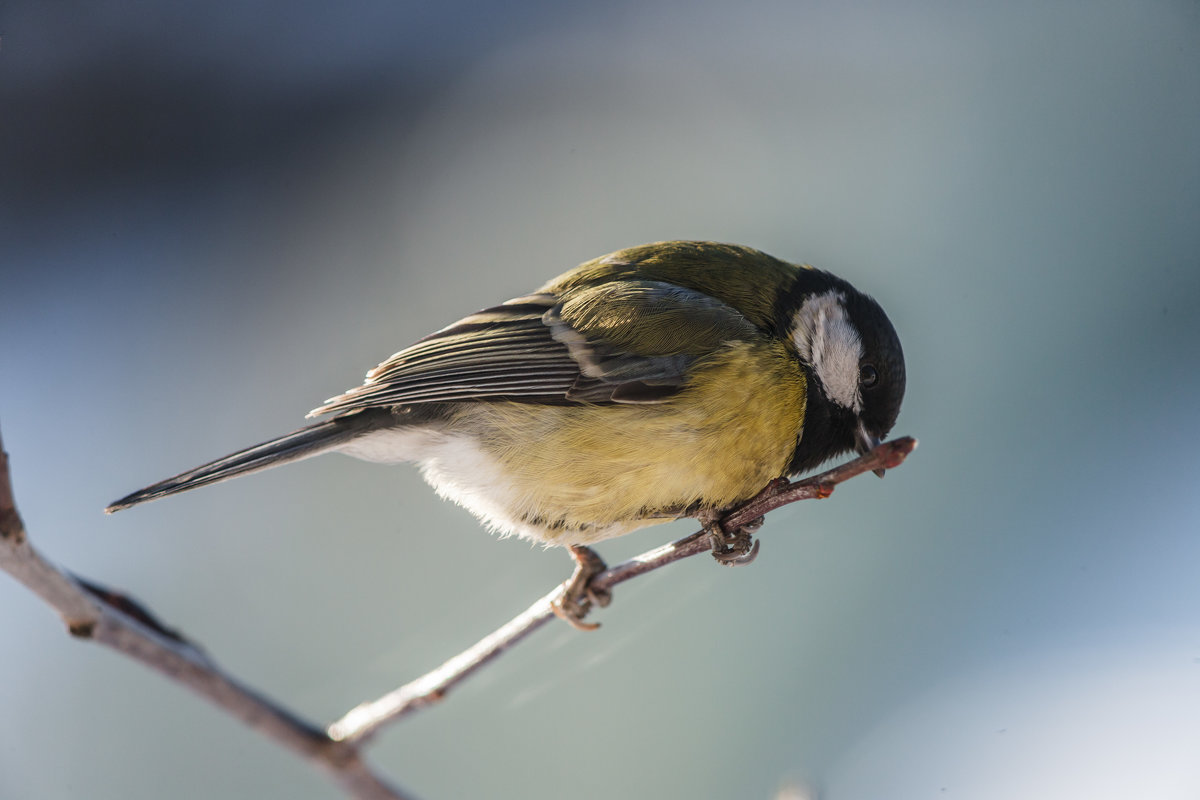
x,y
366,719
94,612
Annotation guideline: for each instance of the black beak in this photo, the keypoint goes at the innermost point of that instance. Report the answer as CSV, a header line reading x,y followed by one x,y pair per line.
x,y
865,442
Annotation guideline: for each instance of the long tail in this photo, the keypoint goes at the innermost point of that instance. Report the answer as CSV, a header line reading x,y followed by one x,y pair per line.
x,y
303,443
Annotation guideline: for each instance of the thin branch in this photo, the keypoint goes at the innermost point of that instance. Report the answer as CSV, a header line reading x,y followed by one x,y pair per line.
x,y
366,719
112,619
94,612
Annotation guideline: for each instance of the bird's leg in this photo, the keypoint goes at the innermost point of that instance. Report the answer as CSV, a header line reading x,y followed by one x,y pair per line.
x,y
739,547
732,548
578,596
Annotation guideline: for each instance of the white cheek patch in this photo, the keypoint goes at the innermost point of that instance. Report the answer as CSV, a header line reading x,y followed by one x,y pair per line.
x,y
828,343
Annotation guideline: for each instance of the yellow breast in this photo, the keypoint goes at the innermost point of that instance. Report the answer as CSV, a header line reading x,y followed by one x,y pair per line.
x,y
574,474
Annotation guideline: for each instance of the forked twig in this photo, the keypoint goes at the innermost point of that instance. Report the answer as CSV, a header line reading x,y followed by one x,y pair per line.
x,y
111,618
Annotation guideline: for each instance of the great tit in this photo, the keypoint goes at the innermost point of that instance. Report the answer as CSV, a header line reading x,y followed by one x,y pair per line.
x,y
667,380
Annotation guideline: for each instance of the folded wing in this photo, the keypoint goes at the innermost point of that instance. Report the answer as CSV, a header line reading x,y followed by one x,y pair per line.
x,y
619,342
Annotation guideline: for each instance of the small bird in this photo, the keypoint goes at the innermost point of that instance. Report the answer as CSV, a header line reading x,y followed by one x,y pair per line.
x,y
674,379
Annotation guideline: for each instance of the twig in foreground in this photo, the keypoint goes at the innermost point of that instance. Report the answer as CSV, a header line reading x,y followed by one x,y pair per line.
x,y
92,611
364,720
112,619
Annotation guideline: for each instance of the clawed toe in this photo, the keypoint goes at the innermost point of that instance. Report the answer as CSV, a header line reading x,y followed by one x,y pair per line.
x,y
737,548
578,597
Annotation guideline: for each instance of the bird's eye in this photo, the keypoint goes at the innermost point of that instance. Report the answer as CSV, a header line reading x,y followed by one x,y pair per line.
x,y
868,376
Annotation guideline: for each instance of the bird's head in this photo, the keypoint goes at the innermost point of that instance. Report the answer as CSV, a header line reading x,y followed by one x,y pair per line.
x,y
855,364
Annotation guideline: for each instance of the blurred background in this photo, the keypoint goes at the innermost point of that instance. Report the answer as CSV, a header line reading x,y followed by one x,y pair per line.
x,y
213,216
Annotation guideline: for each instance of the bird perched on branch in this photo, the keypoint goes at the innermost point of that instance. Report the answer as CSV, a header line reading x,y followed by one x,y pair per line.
x,y
668,380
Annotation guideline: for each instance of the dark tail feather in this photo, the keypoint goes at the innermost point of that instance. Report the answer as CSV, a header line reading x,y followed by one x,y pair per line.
x,y
308,441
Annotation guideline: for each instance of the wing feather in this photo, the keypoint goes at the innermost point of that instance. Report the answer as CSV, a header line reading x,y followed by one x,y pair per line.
x,y
543,348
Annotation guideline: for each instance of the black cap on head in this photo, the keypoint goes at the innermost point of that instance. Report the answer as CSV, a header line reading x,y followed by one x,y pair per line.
x,y
882,352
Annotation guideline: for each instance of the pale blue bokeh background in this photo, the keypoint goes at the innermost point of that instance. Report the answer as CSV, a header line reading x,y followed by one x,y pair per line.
x,y
214,217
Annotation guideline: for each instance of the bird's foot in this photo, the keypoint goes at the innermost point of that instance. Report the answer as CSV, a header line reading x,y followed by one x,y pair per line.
x,y
734,548
578,597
